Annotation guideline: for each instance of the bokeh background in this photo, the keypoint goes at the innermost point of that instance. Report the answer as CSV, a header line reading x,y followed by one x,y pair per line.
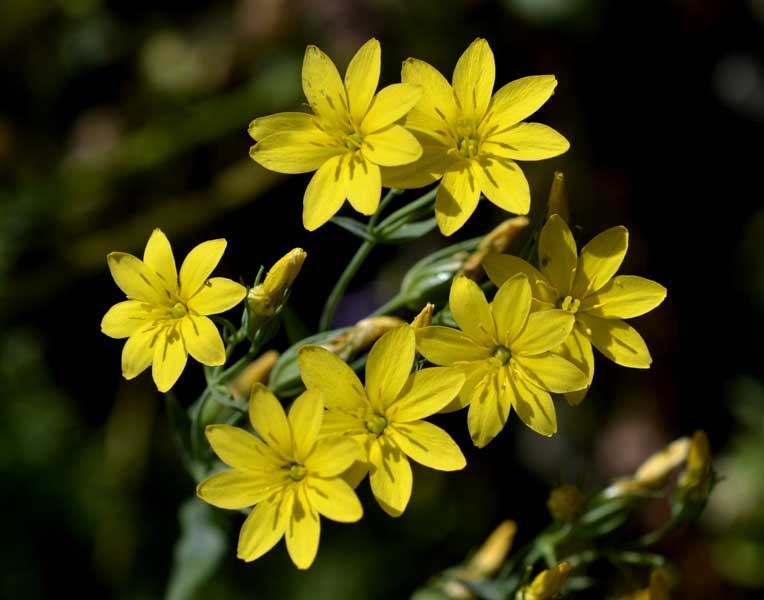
x,y
118,117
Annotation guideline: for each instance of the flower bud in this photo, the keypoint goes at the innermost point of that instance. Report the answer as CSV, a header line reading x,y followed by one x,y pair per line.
x,y
264,299
362,335
558,198
497,240
255,372
565,503
654,472
424,318
547,583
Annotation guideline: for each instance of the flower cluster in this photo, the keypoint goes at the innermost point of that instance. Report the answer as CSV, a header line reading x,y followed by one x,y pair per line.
x,y
508,344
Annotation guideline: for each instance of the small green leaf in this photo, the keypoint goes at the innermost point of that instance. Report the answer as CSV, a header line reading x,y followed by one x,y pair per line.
x,y
355,227
397,234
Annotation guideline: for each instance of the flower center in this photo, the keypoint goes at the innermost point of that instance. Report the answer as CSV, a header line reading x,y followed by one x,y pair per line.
x,y
178,311
376,424
297,472
503,354
569,304
468,147
353,141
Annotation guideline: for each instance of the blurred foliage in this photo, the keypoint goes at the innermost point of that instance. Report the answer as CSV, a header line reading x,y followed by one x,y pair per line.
x,y
120,117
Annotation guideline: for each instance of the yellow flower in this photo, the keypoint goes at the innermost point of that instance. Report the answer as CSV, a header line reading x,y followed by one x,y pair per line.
x,y
472,139
584,285
505,352
263,299
164,318
386,416
287,472
350,135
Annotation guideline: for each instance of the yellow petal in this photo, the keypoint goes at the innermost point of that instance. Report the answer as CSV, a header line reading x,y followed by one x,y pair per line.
x,y
324,195
125,318
475,373
515,101
217,295
363,184
489,408
339,385
269,420
504,184
285,122
323,87
599,260
303,530
240,449
362,78
295,152
388,366
138,351
198,266
333,455
456,199
558,255
471,311
446,346
578,349
473,79
618,341
390,477
428,445
510,308
527,141
334,499
500,267
203,340
305,416
392,146
551,372
438,100
544,330
426,392
390,105
237,489
624,297
339,423
430,167
158,256
262,529
534,406
136,280
170,356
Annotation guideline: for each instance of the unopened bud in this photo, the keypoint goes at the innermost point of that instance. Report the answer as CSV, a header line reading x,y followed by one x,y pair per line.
x,y
654,472
696,480
424,318
565,503
264,299
547,583
255,372
558,198
497,240
362,335
494,550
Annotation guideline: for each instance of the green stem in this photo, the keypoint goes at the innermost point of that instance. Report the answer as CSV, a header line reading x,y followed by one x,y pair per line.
x,y
392,193
406,211
342,283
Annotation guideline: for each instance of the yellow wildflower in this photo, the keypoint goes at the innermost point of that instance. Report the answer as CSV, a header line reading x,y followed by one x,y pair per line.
x,y
263,299
164,318
547,583
287,472
472,139
350,135
386,416
584,285
505,353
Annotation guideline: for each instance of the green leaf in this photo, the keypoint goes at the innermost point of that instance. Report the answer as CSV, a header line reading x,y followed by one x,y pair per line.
x,y
355,227
198,551
406,232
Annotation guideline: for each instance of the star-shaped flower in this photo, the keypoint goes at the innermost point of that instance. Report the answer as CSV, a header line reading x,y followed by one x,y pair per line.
x,y
505,351
352,132
386,416
165,316
472,139
287,472
585,286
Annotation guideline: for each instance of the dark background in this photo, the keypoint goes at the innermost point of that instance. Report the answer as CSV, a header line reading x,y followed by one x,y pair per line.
x,y
119,117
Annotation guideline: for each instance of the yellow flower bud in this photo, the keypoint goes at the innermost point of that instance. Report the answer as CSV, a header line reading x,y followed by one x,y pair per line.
x,y
362,335
654,472
255,372
697,478
497,240
264,299
424,318
558,198
657,590
494,550
565,502
547,583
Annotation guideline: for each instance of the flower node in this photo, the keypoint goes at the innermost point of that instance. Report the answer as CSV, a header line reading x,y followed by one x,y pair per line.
x,y
297,472
503,354
376,424
569,304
